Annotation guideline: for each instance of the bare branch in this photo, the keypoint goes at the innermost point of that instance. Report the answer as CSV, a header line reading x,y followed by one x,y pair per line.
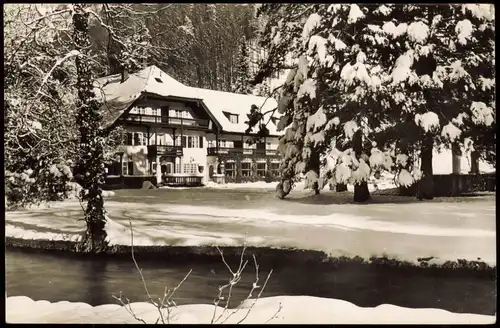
x,y
48,15
70,54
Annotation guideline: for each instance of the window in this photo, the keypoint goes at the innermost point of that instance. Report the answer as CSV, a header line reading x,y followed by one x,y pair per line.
x,y
246,169
130,139
127,167
191,168
142,110
178,113
196,141
192,142
140,139
261,170
161,139
154,111
233,118
275,169
154,166
143,138
222,143
230,170
170,168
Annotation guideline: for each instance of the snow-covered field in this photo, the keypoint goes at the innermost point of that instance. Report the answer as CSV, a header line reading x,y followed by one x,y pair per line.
x,y
294,310
406,231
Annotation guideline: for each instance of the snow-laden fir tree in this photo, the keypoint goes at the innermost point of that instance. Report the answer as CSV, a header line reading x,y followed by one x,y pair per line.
x,y
242,81
279,33
387,82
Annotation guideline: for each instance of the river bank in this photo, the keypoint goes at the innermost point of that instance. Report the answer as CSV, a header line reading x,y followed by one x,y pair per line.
x,y
266,255
276,310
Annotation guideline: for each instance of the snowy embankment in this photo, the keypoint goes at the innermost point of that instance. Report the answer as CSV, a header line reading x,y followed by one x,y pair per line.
x,y
274,310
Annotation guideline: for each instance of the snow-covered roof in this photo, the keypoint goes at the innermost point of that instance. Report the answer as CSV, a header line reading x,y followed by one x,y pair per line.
x,y
118,97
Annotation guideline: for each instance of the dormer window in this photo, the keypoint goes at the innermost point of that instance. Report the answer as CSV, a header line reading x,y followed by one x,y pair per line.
x,y
233,118
158,80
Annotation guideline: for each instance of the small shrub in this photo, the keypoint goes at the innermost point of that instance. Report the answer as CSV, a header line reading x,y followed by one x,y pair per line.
x,y
31,187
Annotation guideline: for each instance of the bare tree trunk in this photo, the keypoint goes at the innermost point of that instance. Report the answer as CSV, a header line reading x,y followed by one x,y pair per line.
x,y
314,163
90,160
340,187
426,184
361,192
474,162
456,158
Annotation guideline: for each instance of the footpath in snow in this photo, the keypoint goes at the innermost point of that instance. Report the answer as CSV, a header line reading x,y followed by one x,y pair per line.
x,y
274,310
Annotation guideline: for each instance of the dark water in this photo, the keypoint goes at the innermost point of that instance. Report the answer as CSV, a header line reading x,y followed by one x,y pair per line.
x,y
94,281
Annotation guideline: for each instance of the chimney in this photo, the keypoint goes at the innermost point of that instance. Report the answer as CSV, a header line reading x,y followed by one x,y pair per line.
x,y
124,75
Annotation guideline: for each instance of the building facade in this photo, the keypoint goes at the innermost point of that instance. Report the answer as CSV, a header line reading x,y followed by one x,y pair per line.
x,y
184,135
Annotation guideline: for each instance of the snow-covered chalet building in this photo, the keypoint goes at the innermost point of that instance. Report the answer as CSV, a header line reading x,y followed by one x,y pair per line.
x,y
178,134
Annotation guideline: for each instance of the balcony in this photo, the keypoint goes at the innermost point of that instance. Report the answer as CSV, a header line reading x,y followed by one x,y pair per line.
x,y
161,150
182,180
212,151
164,120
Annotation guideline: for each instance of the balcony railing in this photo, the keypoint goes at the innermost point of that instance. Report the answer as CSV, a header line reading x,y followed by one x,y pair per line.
x,y
165,120
212,151
184,181
161,150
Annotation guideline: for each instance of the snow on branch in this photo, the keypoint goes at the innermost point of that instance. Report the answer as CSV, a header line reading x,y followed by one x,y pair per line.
x,y
70,54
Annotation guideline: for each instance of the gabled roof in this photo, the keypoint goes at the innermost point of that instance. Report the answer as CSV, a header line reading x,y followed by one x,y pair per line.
x,y
118,97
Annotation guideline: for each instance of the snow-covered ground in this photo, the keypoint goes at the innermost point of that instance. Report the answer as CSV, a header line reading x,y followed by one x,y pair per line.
x,y
406,231
274,310
299,186
385,182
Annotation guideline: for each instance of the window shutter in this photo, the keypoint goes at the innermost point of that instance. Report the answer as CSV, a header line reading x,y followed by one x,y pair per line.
x,y
183,140
136,139
130,168
129,139
201,141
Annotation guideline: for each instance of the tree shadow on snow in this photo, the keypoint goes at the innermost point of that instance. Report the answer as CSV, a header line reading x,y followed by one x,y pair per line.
x,y
344,198
378,197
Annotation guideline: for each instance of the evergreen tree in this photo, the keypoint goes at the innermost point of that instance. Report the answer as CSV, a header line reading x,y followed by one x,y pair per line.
x,y
242,82
369,82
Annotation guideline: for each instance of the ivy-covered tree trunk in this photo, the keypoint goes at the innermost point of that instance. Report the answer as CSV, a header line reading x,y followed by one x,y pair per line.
x,y
426,184
90,169
361,192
